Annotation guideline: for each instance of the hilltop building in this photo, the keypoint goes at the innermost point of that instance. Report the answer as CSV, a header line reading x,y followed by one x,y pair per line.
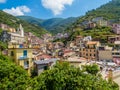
x,y
100,21
116,56
5,37
116,28
18,36
6,27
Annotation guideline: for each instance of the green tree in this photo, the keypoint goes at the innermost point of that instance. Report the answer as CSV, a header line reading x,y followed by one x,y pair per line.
x,y
65,77
12,77
3,46
91,69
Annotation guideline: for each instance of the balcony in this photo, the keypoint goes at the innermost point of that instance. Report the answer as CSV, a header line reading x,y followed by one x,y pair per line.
x,y
22,57
11,46
26,66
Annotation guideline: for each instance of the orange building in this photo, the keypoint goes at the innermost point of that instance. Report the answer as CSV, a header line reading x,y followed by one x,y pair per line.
x,y
89,51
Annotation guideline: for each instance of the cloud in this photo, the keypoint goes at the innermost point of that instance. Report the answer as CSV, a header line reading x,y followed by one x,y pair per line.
x,y
18,11
56,6
2,1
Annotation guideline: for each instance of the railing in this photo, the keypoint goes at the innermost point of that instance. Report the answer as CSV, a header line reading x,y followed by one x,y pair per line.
x,y
22,57
26,66
19,46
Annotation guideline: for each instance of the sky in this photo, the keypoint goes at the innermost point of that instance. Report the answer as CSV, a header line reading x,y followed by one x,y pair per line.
x,y
45,9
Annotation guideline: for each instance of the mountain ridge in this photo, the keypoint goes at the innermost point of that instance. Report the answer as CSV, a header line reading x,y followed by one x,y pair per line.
x,y
110,12
14,22
54,25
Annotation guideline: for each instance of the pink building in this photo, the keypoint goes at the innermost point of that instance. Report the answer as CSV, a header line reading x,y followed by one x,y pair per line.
x,y
116,28
112,39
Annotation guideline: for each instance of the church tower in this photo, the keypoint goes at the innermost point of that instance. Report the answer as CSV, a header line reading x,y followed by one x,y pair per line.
x,y
21,30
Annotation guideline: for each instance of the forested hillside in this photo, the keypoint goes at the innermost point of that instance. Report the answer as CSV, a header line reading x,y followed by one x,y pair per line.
x,y
14,22
54,25
109,12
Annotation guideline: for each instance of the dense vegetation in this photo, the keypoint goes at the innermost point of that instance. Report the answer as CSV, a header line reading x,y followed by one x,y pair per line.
x,y
14,22
61,77
65,77
31,20
12,77
54,25
109,12
98,33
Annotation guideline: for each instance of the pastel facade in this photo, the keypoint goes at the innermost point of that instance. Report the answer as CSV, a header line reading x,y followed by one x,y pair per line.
x,y
116,28
22,56
89,51
116,56
105,53
6,27
18,36
102,23
112,39
76,61
41,65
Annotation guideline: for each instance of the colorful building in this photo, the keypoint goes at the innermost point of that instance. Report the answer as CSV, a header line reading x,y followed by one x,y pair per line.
x,y
21,55
116,28
18,36
89,50
116,56
41,65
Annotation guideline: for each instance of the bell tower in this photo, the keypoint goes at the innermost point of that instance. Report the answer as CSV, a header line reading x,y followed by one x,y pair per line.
x,y
21,30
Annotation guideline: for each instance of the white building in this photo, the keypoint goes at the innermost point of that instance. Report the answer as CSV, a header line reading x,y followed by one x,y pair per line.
x,y
116,28
18,36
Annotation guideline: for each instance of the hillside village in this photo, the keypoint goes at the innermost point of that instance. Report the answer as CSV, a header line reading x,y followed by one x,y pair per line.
x,y
29,51
83,54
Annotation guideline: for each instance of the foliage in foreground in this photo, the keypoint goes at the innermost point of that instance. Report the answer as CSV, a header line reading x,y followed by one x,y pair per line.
x,y
65,77
12,77
61,77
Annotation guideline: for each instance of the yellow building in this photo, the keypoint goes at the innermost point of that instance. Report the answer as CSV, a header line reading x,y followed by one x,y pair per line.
x,y
89,50
21,55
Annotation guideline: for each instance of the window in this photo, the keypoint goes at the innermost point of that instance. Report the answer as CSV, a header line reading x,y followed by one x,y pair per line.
x,y
88,46
25,53
45,67
12,53
26,64
117,53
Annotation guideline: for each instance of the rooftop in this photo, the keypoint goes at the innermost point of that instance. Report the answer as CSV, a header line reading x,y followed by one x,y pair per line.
x,y
92,42
45,61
